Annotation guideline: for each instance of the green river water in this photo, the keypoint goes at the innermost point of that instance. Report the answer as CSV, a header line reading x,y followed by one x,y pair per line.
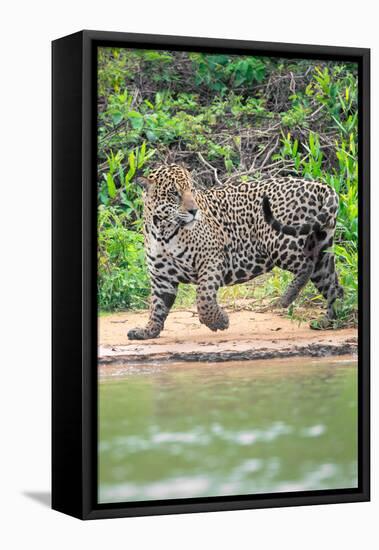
x,y
185,430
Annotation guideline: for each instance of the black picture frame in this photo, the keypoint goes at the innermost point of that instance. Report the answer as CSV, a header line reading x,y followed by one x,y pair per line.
x,y
74,316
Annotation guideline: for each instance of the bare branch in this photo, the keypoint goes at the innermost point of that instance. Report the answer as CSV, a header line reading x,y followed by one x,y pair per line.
x,y
269,153
206,163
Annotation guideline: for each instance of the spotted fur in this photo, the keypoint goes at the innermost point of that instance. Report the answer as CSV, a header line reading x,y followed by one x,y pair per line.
x,y
229,235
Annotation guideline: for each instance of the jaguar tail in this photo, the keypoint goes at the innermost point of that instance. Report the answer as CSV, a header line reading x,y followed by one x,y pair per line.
x,y
325,218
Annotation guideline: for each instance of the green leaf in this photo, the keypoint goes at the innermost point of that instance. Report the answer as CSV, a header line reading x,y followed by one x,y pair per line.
x,y
117,117
228,165
151,136
136,120
132,161
141,155
312,143
340,126
111,186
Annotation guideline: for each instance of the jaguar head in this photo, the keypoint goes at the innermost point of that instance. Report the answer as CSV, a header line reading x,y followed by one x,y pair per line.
x,y
169,201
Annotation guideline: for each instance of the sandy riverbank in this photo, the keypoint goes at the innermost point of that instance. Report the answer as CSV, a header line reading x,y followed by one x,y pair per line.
x,y
250,336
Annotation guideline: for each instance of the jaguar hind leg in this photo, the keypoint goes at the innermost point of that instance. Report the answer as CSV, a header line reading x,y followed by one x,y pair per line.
x,y
326,281
298,283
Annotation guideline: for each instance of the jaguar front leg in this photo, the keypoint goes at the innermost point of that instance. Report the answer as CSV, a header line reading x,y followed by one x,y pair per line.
x,y
210,313
160,304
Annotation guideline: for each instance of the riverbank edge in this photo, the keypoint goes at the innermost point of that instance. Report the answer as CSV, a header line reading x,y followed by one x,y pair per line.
x,y
119,355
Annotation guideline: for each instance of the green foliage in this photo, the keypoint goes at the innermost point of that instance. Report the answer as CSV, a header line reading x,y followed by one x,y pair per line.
x,y
221,73
248,117
122,276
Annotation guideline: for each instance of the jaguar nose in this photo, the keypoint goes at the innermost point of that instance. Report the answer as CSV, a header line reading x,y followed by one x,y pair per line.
x,y
193,211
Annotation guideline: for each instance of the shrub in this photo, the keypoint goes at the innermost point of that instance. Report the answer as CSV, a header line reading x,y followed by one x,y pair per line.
x,y
122,276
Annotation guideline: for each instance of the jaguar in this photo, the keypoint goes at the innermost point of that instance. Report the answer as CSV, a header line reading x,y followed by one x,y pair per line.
x,y
230,234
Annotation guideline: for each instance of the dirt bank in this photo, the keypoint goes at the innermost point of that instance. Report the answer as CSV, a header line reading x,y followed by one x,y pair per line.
x,y
250,336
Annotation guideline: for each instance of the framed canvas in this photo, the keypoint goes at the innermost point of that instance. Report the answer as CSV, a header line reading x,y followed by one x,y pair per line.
x,y
210,275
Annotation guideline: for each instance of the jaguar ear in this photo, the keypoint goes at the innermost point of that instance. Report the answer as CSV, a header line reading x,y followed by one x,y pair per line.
x,y
143,182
